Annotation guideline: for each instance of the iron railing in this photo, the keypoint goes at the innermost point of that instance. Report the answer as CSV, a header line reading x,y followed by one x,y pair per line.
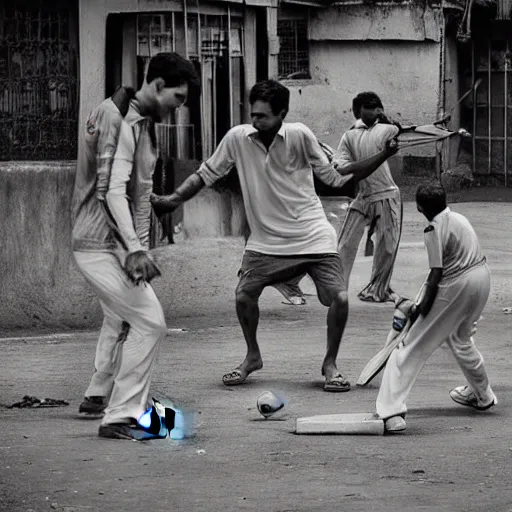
x,y
38,80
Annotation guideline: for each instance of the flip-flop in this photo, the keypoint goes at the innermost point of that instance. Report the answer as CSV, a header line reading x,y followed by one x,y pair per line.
x,y
337,384
295,301
234,377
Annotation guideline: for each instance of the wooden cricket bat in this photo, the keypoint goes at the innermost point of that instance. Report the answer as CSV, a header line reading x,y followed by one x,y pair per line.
x,y
379,360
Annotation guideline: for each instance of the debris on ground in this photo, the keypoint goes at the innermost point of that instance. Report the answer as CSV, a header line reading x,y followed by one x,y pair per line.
x,y
33,402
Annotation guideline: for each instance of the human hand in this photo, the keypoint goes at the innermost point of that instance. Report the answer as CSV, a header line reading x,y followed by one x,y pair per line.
x,y
414,313
164,204
391,147
141,267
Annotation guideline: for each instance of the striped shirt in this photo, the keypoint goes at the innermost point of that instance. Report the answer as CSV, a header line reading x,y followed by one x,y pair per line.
x,y
283,211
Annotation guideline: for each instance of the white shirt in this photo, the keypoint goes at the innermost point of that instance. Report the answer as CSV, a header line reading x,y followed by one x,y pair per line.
x,y
452,244
284,213
362,142
122,167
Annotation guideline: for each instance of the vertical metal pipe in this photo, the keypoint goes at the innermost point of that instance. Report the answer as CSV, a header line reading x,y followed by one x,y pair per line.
x,y
473,79
214,94
230,73
202,100
173,28
185,26
505,102
489,106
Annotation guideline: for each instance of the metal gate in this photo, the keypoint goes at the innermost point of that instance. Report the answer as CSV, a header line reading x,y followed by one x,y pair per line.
x,y
492,108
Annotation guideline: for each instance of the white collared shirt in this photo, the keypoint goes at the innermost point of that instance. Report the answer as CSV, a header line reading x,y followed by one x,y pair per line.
x,y
284,213
452,244
361,142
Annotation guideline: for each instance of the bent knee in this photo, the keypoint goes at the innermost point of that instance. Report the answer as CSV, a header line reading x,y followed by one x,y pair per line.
x,y
336,297
244,294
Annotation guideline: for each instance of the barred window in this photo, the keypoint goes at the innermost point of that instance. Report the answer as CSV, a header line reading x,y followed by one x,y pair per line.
x,y
293,60
38,80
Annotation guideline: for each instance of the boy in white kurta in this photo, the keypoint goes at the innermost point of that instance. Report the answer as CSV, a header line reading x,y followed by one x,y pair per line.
x,y
377,204
455,295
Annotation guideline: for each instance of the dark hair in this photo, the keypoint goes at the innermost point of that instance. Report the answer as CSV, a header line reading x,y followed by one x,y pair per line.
x,y
432,198
365,98
174,69
272,92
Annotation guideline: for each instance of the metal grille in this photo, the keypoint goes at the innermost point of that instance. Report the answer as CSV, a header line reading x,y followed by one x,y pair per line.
x,y
293,60
492,111
38,81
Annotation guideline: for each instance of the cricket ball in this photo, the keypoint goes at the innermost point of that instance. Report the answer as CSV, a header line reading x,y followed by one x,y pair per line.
x,y
269,403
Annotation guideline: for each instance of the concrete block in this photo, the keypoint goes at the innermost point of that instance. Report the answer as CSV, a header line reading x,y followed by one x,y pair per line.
x,y
345,423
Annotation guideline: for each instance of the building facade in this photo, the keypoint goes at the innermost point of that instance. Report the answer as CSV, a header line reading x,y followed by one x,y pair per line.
x,y
59,59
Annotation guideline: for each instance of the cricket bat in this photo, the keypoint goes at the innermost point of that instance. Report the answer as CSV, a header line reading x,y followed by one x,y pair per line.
x,y
379,360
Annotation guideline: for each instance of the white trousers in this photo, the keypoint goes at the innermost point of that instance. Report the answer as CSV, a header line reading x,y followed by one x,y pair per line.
x,y
457,306
124,361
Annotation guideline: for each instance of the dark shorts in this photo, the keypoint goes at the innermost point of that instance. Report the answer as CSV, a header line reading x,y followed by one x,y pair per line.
x,y
261,270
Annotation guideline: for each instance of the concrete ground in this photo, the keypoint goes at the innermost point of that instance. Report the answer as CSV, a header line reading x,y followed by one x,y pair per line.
x,y
450,458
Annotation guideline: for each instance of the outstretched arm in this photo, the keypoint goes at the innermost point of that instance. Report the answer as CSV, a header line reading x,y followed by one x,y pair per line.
x,y
187,190
212,170
345,164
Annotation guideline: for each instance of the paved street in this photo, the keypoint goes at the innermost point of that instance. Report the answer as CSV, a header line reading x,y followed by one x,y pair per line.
x,y
450,458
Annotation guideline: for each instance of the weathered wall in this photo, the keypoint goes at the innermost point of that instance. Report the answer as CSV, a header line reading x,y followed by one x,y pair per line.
x,y
36,272
394,51
40,285
405,74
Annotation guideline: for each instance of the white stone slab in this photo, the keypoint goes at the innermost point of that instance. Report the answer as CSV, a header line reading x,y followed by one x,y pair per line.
x,y
347,423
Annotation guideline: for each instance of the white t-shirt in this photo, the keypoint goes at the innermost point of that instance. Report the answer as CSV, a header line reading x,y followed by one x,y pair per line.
x,y
283,211
452,244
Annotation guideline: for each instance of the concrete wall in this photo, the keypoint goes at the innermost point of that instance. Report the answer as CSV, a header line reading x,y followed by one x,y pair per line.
x,y
404,73
393,50
38,283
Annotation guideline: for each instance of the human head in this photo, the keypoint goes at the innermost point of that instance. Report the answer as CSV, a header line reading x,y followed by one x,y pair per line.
x,y
367,106
430,199
269,105
170,80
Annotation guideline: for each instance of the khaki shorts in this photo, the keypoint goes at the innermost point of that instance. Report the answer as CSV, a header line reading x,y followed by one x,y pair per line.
x,y
261,270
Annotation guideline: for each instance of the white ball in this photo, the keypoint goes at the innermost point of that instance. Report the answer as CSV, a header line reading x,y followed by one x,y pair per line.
x,y
269,403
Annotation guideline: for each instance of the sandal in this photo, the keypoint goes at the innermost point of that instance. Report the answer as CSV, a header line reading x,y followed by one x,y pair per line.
x,y
233,378
337,384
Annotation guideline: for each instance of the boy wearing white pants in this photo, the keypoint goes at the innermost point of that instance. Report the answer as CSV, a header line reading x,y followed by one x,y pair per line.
x,y
455,295
111,225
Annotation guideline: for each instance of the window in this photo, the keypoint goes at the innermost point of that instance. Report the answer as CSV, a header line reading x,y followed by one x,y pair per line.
x,y
214,43
38,80
292,30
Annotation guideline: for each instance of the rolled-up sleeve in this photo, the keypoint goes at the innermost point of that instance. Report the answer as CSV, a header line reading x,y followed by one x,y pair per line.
x,y
220,163
320,163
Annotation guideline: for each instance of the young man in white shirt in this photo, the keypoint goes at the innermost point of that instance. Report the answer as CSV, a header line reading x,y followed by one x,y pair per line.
x,y
456,292
377,203
111,221
289,232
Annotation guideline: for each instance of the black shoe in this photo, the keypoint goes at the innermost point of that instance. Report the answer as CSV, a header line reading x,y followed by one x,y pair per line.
x,y
93,407
125,431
